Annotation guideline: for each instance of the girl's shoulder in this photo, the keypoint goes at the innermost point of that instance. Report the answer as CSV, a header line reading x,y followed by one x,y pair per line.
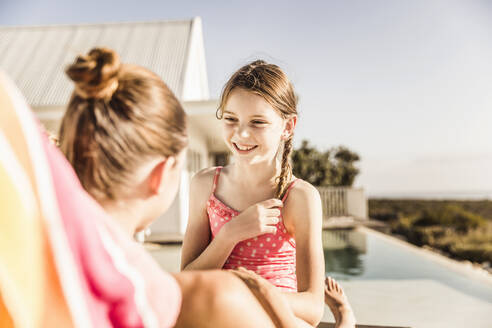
x,y
303,198
203,179
303,191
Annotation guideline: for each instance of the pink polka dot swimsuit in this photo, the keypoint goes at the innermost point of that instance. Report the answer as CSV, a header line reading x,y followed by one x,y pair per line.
x,y
272,256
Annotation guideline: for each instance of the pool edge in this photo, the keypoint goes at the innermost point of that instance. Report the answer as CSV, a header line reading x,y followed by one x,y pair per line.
x,y
465,268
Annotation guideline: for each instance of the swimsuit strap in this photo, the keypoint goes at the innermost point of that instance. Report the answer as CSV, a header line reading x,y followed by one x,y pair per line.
x,y
288,189
216,178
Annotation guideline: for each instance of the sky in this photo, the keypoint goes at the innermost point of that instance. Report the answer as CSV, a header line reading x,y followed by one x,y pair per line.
x,y
405,84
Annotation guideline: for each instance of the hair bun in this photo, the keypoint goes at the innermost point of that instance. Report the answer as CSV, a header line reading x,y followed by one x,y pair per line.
x,y
95,74
258,62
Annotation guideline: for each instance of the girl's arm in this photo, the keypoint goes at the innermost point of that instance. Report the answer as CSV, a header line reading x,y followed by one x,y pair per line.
x,y
303,218
199,252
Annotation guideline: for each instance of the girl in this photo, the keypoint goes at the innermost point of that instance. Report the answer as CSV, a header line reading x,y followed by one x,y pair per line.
x,y
253,213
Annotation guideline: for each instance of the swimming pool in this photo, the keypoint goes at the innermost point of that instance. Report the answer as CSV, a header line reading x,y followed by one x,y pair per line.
x,y
390,283
357,255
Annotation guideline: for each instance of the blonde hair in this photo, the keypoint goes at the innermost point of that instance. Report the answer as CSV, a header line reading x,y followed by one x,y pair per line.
x,y
271,83
118,117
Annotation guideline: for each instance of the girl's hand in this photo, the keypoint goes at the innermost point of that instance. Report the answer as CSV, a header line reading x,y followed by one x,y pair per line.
x,y
258,219
255,282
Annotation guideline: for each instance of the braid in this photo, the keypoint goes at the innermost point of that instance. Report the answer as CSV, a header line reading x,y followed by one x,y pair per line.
x,y
286,171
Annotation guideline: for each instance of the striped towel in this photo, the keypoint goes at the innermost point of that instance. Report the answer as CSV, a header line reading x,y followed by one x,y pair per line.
x,y
63,261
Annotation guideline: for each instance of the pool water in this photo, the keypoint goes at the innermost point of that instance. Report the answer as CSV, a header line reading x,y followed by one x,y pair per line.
x,y
357,255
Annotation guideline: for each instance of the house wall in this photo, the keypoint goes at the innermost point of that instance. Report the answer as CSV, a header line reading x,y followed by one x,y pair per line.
x,y
195,86
174,221
197,143
357,203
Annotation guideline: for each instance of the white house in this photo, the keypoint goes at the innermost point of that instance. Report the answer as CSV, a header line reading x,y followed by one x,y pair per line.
x,y
35,58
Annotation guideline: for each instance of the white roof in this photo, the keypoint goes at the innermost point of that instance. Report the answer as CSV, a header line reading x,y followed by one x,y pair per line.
x,y
35,57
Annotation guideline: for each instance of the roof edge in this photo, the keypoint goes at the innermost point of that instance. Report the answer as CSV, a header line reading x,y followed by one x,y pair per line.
x,y
8,27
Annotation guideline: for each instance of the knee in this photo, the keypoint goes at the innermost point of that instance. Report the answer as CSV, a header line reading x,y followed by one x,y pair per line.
x,y
220,288
219,299
207,291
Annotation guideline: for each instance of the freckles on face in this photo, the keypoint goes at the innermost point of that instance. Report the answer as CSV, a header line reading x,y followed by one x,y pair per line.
x,y
250,124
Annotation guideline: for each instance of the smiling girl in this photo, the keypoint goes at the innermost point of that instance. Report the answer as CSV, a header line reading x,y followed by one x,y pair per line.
x,y
254,213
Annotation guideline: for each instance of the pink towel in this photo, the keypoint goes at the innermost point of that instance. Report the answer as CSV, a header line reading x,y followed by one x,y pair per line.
x,y
117,281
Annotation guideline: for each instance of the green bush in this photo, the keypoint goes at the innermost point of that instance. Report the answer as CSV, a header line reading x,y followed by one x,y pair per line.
x,y
403,226
455,227
452,216
474,253
384,214
333,167
424,235
405,207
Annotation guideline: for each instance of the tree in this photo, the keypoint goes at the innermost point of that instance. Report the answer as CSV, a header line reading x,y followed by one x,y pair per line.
x,y
333,167
311,165
346,171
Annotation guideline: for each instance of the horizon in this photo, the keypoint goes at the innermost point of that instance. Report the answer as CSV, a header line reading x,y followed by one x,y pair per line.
x,y
406,85
466,195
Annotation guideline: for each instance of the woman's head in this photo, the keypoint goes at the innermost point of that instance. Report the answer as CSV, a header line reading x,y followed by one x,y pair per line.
x,y
121,120
259,109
